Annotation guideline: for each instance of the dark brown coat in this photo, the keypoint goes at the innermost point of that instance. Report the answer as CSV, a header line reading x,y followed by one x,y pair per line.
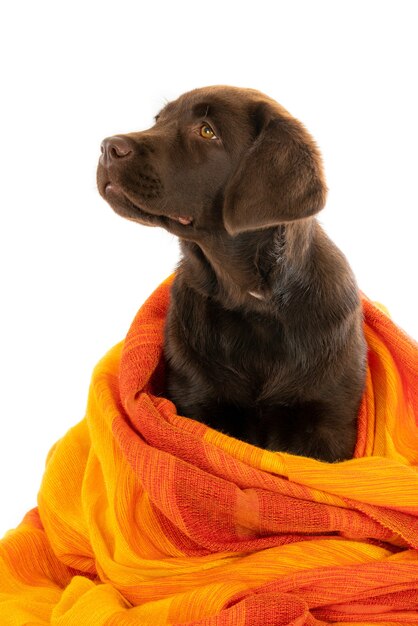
x,y
264,334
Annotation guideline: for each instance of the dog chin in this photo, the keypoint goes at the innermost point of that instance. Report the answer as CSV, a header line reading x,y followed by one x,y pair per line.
x,y
124,206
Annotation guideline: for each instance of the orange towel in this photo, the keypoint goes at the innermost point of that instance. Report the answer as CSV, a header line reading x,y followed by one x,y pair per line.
x,y
146,517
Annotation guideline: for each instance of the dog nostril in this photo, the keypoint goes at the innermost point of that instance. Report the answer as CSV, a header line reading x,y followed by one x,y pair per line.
x,y
120,149
115,148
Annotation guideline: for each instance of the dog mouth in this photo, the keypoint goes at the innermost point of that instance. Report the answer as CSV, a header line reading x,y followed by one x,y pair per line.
x,y
186,221
126,207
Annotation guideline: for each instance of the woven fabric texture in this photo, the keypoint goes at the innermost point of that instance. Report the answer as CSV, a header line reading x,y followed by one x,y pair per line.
x,y
147,517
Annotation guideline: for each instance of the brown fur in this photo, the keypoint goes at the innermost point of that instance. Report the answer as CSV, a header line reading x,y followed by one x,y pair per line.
x,y
264,334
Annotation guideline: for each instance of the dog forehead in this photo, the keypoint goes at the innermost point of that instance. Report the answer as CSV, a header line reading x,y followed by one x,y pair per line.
x,y
205,100
231,99
220,102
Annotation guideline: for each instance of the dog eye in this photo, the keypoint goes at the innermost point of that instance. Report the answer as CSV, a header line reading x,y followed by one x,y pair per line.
x,y
207,132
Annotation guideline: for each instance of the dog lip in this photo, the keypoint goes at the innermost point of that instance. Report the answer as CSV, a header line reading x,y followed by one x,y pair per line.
x,y
114,189
186,221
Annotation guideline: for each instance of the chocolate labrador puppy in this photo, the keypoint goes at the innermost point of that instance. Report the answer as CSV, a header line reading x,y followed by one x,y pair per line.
x,y
264,338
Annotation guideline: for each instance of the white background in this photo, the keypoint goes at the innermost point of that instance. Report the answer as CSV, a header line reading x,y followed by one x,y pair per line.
x,y
73,273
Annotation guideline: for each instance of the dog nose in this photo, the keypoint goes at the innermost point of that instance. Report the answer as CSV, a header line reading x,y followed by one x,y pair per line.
x,y
114,148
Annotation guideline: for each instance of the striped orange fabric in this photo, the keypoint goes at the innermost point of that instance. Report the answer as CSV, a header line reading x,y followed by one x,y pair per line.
x,y
147,517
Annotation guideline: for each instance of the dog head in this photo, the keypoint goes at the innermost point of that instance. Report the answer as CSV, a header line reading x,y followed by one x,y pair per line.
x,y
218,159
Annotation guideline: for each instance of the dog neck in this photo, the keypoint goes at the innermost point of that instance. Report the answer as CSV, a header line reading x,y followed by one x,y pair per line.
x,y
244,269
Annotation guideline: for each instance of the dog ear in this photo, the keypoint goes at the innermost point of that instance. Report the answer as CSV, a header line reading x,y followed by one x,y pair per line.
x,y
279,179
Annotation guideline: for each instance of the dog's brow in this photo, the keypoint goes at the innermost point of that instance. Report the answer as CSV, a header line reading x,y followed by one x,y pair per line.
x,y
201,110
